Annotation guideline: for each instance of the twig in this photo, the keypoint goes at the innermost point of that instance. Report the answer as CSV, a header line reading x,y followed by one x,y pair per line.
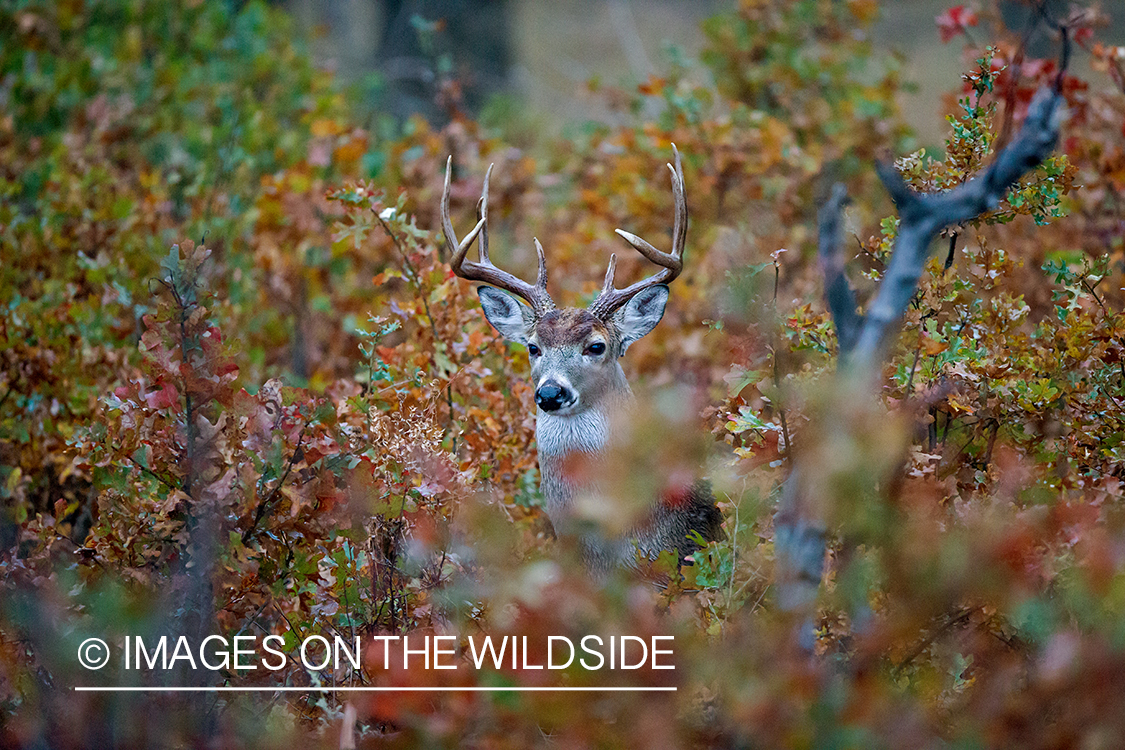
x,y
913,368
917,354
917,651
285,617
952,249
1090,288
262,506
776,365
416,280
164,481
436,578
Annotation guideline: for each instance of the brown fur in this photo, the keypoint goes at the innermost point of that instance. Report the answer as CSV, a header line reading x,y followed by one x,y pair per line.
x,y
568,327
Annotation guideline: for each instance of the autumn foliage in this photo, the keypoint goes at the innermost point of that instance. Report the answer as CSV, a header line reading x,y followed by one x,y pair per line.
x,y
241,393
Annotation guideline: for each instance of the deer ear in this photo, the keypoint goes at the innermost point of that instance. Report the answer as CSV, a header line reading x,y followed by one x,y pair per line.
x,y
513,320
641,314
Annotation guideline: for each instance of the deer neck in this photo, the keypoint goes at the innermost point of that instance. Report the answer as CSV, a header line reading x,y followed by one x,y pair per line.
x,y
560,438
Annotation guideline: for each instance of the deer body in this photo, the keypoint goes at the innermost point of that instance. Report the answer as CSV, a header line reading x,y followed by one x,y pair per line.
x,y
558,440
667,527
579,382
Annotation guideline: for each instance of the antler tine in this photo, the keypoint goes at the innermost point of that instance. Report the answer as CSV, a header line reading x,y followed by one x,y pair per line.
x,y
541,274
482,217
671,264
458,248
607,285
485,271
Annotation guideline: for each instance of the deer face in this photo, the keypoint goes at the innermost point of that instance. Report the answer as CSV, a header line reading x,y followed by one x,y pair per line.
x,y
574,353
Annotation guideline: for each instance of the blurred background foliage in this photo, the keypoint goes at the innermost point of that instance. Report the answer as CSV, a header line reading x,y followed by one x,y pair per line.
x,y
241,393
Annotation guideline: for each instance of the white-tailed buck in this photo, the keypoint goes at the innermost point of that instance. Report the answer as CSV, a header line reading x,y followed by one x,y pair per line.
x,y
578,380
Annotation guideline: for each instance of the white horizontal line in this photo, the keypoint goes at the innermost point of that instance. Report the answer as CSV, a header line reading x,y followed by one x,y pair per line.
x,y
370,689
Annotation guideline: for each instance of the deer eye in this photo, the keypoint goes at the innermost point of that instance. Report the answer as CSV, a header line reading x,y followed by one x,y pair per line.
x,y
533,350
596,348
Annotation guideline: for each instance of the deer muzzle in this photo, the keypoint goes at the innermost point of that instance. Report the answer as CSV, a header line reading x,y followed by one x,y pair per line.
x,y
552,396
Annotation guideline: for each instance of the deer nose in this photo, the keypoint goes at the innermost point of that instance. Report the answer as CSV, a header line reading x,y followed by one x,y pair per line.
x,y
550,396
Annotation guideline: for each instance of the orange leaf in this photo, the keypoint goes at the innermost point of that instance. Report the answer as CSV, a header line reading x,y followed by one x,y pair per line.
x,y
930,347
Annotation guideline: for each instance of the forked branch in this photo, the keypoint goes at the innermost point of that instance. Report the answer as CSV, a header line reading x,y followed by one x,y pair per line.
x,y
921,217
800,530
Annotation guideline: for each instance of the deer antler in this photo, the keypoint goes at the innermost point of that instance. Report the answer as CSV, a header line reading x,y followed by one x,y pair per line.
x,y
485,271
671,264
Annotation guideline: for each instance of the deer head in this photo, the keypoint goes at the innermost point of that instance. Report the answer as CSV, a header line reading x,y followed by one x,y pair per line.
x,y
573,351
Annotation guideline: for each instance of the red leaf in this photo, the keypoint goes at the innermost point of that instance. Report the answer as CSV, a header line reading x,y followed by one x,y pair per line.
x,y
150,339
954,21
164,398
